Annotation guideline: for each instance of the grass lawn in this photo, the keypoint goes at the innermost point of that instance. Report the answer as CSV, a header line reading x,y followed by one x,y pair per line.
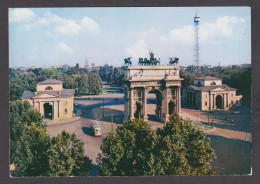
x,y
112,88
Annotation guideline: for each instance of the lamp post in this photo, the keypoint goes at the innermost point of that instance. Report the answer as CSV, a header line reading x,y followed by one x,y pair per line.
x,y
103,109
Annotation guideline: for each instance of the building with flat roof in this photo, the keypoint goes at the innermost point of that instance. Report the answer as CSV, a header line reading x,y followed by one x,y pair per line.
x,y
51,100
208,93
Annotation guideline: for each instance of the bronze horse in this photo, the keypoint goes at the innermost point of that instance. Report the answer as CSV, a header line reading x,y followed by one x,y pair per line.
x,y
128,61
173,61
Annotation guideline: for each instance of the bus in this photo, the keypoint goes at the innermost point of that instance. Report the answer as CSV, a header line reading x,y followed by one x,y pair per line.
x,y
96,129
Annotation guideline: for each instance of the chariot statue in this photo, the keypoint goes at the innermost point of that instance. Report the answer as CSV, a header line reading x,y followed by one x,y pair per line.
x,y
151,61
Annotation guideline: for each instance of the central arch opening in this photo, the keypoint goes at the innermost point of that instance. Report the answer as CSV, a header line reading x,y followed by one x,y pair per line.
x,y
219,102
48,111
154,105
171,108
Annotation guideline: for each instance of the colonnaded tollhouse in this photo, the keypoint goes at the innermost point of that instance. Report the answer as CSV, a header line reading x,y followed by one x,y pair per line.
x,y
51,100
208,93
162,80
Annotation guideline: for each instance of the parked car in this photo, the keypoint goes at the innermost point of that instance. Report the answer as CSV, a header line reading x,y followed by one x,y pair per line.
x,y
96,129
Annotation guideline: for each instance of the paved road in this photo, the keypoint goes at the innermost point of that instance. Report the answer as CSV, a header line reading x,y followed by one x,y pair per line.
x,y
82,129
233,155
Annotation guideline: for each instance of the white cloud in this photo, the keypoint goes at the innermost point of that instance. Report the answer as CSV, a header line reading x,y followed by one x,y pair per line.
x,y
208,32
49,18
21,15
90,25
62,46
55,23
68,27
137,50
61,25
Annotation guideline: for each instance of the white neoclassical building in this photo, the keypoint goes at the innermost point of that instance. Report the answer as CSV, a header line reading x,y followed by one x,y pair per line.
x,y
51,99
208,93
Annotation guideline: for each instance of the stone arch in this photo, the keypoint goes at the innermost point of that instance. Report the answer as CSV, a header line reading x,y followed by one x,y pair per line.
x,y
158,102
48,110
219,102
155,89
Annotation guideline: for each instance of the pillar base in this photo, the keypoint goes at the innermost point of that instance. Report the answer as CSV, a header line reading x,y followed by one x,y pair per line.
x,y
132,118
145,118
167,118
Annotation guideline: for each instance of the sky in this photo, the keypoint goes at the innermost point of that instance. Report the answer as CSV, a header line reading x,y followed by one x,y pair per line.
x,y
48,36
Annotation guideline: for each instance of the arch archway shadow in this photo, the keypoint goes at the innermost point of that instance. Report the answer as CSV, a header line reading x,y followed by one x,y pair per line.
x,y
154,105
48,111
219,102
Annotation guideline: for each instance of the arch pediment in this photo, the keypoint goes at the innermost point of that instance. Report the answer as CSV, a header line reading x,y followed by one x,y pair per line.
x,y
218,89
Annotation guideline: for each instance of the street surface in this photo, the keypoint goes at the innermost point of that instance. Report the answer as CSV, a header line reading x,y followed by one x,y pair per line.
x,y
230,135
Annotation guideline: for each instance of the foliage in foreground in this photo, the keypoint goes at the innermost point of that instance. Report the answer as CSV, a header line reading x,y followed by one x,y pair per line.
x,y
137,150
34,153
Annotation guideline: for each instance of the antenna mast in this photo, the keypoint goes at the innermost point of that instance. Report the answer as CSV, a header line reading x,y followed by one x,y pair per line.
x,y
196,49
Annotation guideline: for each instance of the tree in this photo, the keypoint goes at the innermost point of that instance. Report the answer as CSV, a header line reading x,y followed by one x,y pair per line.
x,y
183,149
31,154
136,150
128,151
21,117
34,153
66,156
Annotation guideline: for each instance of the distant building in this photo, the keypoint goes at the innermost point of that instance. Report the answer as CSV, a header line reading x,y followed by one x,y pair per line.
x,y
86,64
92,68
51,100
208,93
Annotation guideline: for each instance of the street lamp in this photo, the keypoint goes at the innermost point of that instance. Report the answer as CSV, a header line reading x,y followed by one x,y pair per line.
x,y
103,108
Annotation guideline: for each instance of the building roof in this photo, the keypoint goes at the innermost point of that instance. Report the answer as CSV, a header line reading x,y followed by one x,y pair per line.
x,y
49,81
209,88
207,78
57,94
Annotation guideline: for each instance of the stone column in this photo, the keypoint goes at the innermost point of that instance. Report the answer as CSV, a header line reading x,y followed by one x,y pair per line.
x,y
144,96
55,109
59,108
167,116
126,100
131,105
209,101
41,110
213,101
179,100
223,104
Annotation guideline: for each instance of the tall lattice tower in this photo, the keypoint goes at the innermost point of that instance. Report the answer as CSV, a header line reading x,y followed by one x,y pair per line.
x,y
196,49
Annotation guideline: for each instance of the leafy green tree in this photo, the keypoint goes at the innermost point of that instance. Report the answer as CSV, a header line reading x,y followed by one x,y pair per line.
x,y
128,151
67,156
183,149
31,154
21,116
136,150
34,153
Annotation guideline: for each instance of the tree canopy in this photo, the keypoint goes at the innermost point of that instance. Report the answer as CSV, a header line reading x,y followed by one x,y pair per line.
x,y
137,150
34,153
81,80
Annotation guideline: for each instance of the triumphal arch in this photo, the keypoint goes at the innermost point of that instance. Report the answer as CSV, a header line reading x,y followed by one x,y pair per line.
x,y
164,81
